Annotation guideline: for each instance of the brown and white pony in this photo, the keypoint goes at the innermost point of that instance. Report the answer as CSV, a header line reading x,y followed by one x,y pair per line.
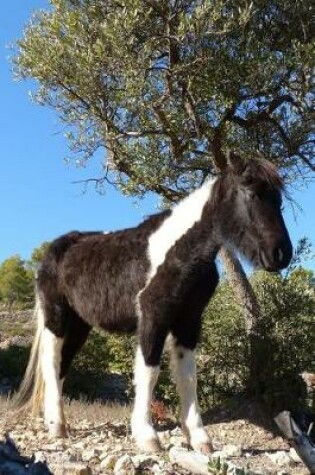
x,y
154,279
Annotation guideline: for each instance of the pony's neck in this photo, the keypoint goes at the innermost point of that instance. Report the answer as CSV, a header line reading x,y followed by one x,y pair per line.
x,y
187,216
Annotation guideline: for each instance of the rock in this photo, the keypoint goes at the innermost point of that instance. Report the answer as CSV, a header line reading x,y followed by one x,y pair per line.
x,y
90,454
79,445
280,458
294,456
143,460
103,455
108,463
164,436
177,440
40,457
119,448
232,450
71,468
157,469
194,462
124,466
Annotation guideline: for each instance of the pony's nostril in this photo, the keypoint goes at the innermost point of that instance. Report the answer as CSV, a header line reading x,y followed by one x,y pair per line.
x,y
278,255
264,259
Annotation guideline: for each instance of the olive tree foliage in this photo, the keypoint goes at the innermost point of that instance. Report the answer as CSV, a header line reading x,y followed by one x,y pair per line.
x,y
159,85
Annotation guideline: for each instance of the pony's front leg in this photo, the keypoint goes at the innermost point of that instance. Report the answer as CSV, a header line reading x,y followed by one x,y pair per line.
x,y
145,378
51,365
184,370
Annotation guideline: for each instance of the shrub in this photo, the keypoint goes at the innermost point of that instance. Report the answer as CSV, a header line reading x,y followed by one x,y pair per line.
x,y
286,328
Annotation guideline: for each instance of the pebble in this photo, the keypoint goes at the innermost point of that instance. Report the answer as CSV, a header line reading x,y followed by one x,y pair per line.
x,y
39,457
71,469
164,436
124,466
232,450
103,455
280,458
294,456
90,454
143,460
108,463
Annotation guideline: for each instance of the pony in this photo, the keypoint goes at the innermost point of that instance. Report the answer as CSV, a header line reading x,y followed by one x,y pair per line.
x,y
154,279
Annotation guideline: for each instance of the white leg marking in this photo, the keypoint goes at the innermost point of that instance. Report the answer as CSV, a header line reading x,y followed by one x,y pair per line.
x,y
184,369
145,378
51,361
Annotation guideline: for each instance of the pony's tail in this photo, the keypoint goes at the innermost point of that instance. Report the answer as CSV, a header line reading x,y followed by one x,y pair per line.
x,y
31,392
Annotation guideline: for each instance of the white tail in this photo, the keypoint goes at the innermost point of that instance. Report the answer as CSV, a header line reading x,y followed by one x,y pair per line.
x,y
31,392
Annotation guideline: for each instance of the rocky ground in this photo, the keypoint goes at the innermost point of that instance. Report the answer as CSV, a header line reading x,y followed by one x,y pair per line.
x,y
100,442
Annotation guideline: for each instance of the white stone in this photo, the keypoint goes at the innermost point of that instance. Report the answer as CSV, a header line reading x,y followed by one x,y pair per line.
x,y
39,457
295,456
231,450
71,469
90,454
164,436
103,455
176,440
194,462
281,458
79,445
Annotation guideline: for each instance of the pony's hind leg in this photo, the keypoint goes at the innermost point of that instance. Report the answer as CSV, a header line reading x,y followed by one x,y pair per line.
x,y
51,367
57,356
145,378
76,335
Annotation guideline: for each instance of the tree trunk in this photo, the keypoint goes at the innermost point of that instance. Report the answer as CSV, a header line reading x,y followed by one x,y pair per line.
x,y
259,348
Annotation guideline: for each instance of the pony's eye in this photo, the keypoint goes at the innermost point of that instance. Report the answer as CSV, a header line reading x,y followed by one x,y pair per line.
x,y
248,180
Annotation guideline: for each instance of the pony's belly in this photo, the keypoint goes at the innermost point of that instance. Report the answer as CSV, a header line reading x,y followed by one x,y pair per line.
x,y
120,324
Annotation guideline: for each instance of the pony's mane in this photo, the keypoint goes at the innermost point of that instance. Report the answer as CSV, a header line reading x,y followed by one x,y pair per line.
x,y
265,171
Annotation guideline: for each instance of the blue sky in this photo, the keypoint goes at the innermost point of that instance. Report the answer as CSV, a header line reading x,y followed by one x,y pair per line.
x,y
38,200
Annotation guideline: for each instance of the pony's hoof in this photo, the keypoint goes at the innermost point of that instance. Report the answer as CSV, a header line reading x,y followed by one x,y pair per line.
x,y
151,446
204,447
58,431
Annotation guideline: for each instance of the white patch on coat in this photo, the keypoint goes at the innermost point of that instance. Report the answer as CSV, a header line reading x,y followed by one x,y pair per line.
x,y
183,217
183,366
50,365
145,378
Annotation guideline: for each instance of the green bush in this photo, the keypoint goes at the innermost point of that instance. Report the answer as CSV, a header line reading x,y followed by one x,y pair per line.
x,y
13,362
287,332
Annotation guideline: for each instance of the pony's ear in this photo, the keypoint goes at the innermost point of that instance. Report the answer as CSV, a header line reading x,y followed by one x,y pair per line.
x,y
237,163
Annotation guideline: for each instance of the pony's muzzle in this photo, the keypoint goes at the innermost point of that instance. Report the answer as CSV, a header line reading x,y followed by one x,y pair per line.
x,y
277,258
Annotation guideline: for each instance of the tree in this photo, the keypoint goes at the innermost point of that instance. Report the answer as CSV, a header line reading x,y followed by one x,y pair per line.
x,y
155,82
165,87
16,284
37,256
